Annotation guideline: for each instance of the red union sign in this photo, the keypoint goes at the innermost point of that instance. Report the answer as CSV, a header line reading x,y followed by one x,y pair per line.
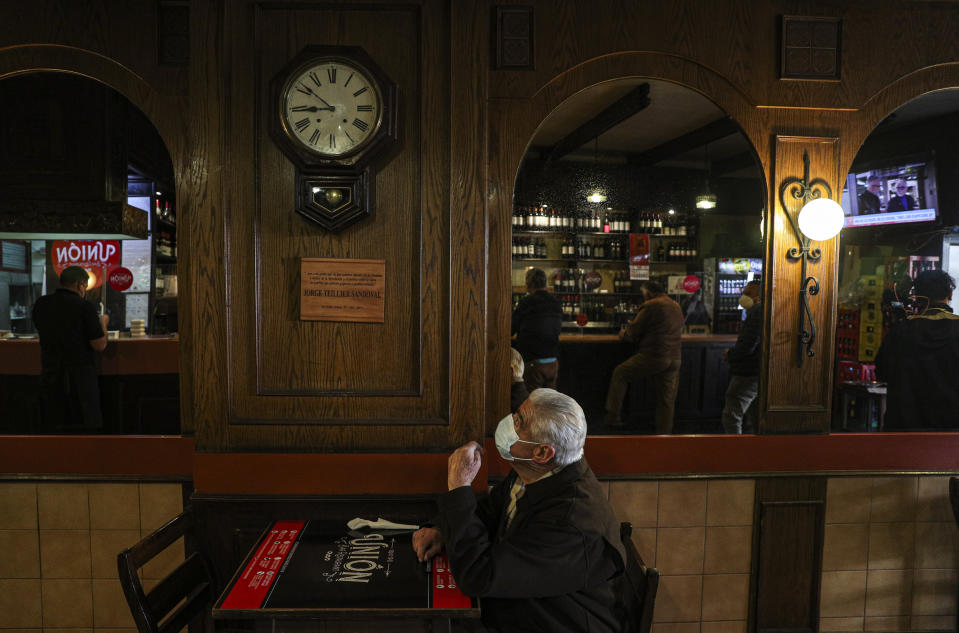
x,y
120,279
94,256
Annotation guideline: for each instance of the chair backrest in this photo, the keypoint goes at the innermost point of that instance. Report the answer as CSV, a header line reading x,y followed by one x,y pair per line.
x,y
178,599
639,585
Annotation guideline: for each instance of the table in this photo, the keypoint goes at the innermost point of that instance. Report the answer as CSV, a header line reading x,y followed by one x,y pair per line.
x,y
321,570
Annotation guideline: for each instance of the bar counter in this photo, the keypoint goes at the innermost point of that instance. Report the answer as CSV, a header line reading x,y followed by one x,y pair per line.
x,y
586,363
139,386
124,355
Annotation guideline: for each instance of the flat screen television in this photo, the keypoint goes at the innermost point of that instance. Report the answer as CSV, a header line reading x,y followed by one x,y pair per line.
x,y
894,192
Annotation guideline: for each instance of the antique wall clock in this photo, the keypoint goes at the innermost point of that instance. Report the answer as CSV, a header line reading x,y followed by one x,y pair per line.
x,y
334,115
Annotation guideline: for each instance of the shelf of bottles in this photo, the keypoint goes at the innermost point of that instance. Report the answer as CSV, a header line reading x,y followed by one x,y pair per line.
x,y
165,247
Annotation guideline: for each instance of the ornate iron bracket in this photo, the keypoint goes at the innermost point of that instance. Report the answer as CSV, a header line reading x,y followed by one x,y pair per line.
x,y
806,190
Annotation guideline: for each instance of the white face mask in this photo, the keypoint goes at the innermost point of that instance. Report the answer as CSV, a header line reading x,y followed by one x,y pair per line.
x,y
746,302
505,438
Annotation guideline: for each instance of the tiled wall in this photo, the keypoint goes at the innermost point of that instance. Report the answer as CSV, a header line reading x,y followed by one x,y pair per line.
x,y
58,571
698,535
891,556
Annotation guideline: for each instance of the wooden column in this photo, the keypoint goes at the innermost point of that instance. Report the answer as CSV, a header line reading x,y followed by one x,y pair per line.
x,y
798,398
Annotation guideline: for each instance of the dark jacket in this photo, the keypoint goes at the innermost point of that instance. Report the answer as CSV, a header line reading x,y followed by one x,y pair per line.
x,y
657,329
896,204
551,570
67,323
744,356
919,359
537,322
868,203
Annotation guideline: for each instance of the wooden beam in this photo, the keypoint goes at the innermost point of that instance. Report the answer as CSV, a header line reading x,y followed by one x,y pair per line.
x,y
682,144
735,163
634,101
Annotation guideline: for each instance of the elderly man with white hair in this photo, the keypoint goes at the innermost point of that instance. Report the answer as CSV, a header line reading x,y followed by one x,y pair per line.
x,y
543,547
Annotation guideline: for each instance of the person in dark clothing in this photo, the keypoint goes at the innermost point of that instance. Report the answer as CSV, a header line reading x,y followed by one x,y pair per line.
x,y
657,330
919,359
542,549
902,201
744,360
536,324
70,335
869,199
518,392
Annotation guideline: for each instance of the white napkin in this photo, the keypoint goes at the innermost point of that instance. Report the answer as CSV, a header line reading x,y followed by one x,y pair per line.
x,y
379,524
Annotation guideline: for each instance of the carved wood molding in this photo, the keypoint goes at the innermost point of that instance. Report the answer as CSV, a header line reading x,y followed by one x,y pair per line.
x,y
798,399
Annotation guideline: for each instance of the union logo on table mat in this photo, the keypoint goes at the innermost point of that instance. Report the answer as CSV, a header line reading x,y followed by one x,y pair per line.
x,y
446,595
252,587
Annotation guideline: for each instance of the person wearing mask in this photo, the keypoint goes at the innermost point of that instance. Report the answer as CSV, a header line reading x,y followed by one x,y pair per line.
x,y
542,549
869,199
70,335
744,359
902,201
919,359
657,330
518,392
536,325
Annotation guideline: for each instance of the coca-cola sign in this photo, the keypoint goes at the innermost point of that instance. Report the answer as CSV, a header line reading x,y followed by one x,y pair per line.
x,y
120,279
691,283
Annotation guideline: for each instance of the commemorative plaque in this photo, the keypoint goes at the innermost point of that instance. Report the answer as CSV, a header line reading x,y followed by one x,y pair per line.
x,y
352,290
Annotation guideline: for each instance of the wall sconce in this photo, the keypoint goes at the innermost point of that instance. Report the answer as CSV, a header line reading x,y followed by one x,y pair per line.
x,y
820,218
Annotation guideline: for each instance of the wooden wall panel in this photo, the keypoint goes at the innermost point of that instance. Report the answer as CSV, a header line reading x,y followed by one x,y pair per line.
x,y
788,528
348,386
798,398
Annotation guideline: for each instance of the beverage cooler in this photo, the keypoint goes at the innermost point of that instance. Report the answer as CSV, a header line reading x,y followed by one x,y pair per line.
x,y
723,282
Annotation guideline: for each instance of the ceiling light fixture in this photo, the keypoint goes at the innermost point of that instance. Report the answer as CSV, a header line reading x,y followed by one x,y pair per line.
x,y
596,193
708,199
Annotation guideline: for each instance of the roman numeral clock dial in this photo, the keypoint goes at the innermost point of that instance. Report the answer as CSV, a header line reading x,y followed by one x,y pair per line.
x,y
336,114
332,108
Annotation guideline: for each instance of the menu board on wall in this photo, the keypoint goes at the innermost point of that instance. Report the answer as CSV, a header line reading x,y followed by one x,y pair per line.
x,y
352,290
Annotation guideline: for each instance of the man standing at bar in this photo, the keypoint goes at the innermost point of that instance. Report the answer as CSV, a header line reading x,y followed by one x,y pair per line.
x,y
70,335
657,330
744,360
919,359
537,323
543,547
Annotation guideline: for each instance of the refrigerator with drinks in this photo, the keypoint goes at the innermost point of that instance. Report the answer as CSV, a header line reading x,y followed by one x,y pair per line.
x,y
723,281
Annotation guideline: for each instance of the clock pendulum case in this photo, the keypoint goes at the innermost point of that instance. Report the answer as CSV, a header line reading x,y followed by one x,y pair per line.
x,y
334,115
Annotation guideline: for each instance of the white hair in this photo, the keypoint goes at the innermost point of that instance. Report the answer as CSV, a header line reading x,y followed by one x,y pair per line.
x,y
516,362
556,419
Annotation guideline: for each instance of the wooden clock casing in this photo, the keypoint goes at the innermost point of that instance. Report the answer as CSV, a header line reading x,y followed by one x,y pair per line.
x,y
335,192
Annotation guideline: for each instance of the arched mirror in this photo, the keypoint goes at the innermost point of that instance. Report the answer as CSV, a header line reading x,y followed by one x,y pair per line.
x,y
897,340
637,229
85,183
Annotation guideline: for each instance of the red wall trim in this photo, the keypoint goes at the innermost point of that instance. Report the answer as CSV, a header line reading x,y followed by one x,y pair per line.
x,y
418,473
320,473
718,454
112,455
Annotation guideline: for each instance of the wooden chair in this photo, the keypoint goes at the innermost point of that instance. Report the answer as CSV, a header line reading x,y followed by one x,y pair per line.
x,y
186,594
638,587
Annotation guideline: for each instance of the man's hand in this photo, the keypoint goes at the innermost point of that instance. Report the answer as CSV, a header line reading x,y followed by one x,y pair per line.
x,y
463,465
427,543
725,354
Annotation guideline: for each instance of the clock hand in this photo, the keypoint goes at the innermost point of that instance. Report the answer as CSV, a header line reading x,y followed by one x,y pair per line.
x,y
328,106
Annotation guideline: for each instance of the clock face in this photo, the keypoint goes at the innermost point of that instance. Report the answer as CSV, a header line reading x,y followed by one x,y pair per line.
x,y
332,107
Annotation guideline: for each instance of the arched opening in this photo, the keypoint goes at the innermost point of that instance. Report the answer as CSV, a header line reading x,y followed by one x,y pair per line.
x,y
88,182
625,182
900,202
